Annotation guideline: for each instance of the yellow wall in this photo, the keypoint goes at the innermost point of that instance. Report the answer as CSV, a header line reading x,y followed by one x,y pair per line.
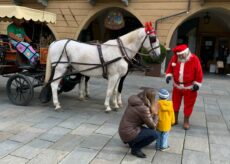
x,y
73,15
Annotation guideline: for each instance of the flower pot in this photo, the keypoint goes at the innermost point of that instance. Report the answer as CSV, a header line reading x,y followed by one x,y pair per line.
x,y
154,70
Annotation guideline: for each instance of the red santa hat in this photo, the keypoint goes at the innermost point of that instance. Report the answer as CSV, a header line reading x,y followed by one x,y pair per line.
x,y
181,49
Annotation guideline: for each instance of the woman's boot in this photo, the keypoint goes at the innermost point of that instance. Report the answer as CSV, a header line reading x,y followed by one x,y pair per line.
x,y
186,123
176,117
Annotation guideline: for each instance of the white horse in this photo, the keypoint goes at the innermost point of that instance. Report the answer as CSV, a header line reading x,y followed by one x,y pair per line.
x,y
64,53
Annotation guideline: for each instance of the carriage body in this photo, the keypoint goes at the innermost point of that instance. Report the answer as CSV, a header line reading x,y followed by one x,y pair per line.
x,y
12,61
22,77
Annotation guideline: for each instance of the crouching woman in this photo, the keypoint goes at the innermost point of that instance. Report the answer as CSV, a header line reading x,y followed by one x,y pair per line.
x,y
132,129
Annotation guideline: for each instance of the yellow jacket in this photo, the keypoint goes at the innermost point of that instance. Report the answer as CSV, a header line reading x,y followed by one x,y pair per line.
x,y
165,114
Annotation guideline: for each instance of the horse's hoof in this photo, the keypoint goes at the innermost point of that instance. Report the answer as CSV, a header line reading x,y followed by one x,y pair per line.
x,y
120,105
116,109
87,96
58,108
81,98
108,110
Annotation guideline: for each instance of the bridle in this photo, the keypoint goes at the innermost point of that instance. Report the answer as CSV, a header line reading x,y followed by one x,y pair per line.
x,y
152,40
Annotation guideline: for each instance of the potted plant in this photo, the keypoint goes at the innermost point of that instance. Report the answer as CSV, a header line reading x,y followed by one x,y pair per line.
x,y
154,64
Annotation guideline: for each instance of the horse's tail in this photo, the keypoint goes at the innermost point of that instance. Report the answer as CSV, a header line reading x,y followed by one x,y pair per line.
x,y
48,70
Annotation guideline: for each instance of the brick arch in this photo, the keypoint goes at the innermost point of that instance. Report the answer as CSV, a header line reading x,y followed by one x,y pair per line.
x,y
97,11
184,18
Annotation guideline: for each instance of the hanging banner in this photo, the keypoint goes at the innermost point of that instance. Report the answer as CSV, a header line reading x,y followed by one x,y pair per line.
x,y
114,20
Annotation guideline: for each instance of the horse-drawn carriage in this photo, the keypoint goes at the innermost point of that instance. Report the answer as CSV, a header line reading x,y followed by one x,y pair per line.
x,y
23,78
70,57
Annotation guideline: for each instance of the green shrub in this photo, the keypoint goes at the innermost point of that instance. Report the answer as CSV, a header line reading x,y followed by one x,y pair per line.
x,y
159,59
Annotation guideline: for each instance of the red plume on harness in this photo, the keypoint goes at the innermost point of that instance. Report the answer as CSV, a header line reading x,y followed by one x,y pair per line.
x,y
149,28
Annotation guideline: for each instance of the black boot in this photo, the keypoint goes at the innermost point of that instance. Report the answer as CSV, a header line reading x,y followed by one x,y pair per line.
x,y
138,153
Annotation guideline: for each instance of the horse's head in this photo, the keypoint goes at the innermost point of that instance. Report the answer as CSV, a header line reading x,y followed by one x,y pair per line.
x,y
151,42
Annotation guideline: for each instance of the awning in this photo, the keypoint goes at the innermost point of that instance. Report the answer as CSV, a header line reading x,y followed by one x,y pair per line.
x,y
8,12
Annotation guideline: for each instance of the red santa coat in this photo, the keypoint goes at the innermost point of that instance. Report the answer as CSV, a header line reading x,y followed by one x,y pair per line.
x,y
185,75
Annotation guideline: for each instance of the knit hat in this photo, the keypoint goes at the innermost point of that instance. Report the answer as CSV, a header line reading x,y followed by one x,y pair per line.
x,y
163,94
181,49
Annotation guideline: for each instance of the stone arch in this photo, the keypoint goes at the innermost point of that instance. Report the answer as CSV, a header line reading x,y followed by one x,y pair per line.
x,y
184,18
94,13
52,29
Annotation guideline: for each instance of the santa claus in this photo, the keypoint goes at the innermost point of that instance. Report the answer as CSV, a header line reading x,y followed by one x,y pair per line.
x,y
185,68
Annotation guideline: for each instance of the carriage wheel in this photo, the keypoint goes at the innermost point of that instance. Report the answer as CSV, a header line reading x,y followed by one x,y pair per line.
x,y
20,90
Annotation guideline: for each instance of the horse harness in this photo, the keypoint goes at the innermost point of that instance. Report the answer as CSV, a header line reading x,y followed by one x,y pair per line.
x,y
70,68
103,64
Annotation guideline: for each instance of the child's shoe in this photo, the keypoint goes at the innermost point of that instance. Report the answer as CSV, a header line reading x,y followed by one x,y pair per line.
x,y
165,149
158,148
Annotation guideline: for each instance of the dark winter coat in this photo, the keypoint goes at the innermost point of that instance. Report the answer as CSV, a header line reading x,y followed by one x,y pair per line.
x,y
137,113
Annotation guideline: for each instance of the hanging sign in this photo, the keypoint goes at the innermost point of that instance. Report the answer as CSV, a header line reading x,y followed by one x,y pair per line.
x,y
114,20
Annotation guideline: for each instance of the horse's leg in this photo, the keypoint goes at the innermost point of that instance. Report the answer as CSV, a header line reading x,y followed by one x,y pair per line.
x,y
59,72
81,89
112,81
87,86
120,87
115,94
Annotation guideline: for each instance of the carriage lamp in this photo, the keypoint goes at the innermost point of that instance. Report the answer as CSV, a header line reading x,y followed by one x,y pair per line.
x,y
206,18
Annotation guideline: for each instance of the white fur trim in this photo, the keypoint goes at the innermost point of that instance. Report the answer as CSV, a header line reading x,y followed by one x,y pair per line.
x,y
197,83
182,86
181,73
183,52
173,64
168,74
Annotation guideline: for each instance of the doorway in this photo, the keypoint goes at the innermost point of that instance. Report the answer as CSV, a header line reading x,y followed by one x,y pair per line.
x,y
207,51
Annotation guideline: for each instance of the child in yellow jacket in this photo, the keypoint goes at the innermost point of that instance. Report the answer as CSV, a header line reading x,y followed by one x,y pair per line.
x,y
166,118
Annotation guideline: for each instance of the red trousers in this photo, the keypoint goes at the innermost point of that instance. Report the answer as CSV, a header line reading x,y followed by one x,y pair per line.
x,y
189,100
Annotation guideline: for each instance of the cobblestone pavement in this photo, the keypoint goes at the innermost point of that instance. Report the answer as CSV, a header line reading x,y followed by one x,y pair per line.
x,y
83,133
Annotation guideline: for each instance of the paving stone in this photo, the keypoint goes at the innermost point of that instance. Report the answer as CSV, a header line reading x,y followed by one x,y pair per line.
x,y
134,160
48,123
73,122
197,143
5,123
35,116
9,159
98,119
85,129
7,147
67,142
27,135
103,161
114,151
49,156
80,156
54,134
18,127
197,131
192,157
107,129
166,158
219,139
220,153
31,149
5,135
95,141
176,144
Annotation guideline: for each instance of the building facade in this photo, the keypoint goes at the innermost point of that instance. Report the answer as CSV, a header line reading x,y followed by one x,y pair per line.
x,y
203,24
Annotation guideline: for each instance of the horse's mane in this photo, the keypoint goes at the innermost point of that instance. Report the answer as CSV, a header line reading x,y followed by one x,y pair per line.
x,y
131,36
